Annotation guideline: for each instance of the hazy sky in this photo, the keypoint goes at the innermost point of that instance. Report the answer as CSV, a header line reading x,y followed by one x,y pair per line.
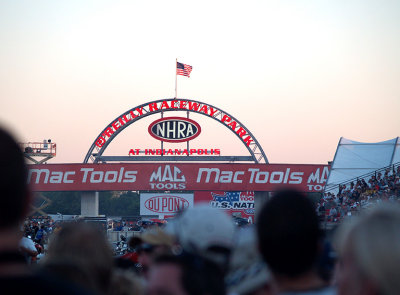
x,y
298,74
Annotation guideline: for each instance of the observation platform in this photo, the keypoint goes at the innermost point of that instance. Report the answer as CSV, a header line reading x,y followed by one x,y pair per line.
x,y
39,152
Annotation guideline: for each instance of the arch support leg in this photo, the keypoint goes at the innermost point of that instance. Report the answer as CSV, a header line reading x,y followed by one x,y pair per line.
x,y
90,204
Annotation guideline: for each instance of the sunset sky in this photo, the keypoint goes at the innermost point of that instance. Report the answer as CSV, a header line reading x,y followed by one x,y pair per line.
x,y
298,74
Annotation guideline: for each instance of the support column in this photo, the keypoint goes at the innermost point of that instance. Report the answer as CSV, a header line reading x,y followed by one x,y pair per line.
x,y
260,198
90,204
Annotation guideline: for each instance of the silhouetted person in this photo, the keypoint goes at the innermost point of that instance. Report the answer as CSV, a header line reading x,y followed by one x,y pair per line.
x,y
186,274
289,241
80,253
15,275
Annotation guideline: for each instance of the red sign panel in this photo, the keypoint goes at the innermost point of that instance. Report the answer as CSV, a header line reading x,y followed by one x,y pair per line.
x,y
176,105
176,176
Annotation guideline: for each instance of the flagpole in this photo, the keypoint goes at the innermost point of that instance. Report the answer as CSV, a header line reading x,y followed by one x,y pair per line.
x,y
176,79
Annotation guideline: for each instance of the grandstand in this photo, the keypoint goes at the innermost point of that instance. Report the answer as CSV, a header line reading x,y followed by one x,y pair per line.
x,y
354,159
362,174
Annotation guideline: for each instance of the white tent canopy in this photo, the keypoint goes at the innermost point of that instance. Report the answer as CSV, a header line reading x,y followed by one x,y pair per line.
x,y
353,159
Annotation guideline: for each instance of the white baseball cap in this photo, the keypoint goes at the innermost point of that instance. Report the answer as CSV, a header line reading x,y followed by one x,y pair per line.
x,y
206,231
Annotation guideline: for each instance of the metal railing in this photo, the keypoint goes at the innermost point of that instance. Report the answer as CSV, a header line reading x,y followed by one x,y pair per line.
x,y
332,187
42,148
115,236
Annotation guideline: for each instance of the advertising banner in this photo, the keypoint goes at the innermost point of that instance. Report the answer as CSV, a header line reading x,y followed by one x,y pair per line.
x,y
239,204
164,204
176,176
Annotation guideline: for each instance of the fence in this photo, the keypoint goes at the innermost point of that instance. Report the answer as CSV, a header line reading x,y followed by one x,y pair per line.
x,y
115,236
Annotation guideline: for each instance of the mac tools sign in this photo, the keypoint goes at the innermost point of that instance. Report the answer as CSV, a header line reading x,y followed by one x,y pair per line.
x,y
164,204
176,176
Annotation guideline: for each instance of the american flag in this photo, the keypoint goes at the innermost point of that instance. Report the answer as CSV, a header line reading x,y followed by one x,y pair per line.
x,y
229,197
182,69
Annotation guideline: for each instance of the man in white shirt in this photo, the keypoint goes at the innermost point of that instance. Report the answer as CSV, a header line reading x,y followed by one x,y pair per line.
x,y
28,249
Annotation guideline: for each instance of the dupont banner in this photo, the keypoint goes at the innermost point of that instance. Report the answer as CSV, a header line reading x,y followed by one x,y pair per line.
x,y
176,176
164,204
239,204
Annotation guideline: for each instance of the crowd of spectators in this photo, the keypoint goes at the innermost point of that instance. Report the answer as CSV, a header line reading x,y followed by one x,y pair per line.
x,y
39,228
363,193
37,231
137,225
201,251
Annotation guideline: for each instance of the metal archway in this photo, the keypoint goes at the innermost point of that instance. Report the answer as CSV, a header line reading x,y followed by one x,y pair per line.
x,y
116,126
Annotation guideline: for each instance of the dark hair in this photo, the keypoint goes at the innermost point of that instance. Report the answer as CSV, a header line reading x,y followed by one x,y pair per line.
x,y
288,233
85,246
199,275
13,186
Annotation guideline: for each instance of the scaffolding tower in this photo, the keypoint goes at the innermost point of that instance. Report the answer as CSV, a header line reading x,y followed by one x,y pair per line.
x,y
39,153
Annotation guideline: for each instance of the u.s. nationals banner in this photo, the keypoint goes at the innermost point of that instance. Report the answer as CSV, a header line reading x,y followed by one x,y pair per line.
x,y
233,202
176,176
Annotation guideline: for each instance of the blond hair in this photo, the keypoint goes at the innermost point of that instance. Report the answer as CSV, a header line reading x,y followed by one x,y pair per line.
x,y
374,241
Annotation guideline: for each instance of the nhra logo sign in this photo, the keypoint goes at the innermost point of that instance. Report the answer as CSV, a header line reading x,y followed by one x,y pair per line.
x,y
174,129
168,204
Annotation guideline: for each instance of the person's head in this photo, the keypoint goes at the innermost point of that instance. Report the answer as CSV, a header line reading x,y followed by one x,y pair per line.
x,y
81,253
370,253
248,274
185,275
289,234
13,183
206,231
152,243
124,282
